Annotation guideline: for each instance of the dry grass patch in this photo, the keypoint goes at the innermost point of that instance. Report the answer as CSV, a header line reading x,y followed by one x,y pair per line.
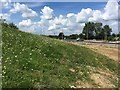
x,y
104,50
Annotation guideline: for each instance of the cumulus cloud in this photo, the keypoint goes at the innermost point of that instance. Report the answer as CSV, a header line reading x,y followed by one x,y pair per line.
x,y
111,10
28,26
71,19
47,13
57,23
26,12
5,16
27,22
96,17
5,3
83,15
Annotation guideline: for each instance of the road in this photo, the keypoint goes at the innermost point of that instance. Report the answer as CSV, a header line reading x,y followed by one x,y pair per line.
x,y
111,44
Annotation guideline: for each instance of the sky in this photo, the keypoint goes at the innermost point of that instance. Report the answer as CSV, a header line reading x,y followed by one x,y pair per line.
x,y
50,18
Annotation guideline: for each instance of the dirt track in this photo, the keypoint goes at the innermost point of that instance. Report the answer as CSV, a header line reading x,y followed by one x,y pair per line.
x,y
111,52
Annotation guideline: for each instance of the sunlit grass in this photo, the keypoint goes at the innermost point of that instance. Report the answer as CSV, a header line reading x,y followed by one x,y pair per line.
x,y
35,61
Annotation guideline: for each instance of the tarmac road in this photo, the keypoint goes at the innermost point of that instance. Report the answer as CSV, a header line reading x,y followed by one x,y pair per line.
x,y
111,44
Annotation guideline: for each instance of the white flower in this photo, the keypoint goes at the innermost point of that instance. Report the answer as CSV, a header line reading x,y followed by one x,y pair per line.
x,y
15,56
5,60
4,72
44,54
20,52
33,50
4,67
30,53
16,60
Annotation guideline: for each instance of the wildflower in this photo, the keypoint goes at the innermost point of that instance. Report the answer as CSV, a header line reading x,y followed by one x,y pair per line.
x,y
30,53
44,54
4,67
5,61
15,56
33,50
20,52
4,72
32,80
16,60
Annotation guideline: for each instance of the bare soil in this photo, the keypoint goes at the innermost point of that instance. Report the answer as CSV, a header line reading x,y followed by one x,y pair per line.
x,y
110,52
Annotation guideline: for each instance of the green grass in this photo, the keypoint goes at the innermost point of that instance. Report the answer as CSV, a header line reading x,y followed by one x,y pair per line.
x,y
30,60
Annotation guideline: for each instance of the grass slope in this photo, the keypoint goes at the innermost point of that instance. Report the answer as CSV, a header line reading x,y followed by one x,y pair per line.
x,y
35,61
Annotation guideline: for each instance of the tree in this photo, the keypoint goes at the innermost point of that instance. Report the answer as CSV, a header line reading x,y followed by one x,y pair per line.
x,y
61,35
114,35
107,31
89,30
4,25
12,25
93,30
98,29
81,35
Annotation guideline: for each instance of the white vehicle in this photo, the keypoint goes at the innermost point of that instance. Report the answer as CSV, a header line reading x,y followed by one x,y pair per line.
x,y
78,39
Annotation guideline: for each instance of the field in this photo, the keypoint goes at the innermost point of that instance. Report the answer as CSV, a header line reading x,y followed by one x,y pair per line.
x,y
33,61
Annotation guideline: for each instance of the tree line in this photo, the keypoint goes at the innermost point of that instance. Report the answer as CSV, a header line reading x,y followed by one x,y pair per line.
x,y
92,31
9,25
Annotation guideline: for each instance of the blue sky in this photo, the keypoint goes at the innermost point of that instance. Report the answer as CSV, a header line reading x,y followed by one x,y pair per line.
x,y
58,7
70,16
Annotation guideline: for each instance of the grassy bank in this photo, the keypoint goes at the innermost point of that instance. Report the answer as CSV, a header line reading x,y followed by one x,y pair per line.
x,y
30,60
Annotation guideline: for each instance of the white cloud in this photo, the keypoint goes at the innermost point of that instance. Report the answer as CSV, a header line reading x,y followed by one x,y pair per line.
x,y
53,27
31,29
27,22
57,23
28,26
29,14
26,12
96,17
111,10
47,13
5,16
83,15
71,18
5,3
